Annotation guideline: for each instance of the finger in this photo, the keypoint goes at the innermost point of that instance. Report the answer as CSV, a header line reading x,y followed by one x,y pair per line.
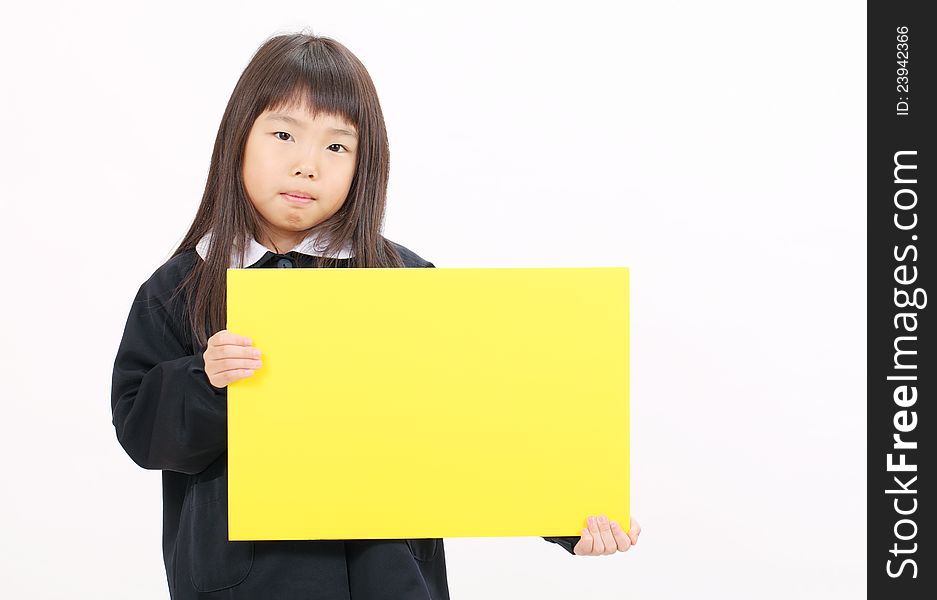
x,y
238,374
232,351
608,540
635,531
215,353
231,364
584,545
235,375
598,545
621,538
226,338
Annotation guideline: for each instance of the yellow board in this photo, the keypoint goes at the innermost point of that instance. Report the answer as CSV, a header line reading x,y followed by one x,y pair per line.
x,y
424,403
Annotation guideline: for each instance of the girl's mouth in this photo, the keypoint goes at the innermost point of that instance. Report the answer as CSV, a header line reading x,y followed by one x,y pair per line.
x,y
296,199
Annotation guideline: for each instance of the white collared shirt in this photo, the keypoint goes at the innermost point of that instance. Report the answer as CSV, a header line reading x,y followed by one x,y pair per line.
x,y
255,251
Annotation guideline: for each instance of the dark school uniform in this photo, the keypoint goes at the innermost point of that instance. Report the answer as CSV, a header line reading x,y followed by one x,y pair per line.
x,y
168,416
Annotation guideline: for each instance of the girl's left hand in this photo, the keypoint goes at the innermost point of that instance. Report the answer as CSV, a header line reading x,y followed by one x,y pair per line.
x,y
604,537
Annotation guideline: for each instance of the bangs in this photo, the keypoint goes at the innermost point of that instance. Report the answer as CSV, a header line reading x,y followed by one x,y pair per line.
x,y
313,78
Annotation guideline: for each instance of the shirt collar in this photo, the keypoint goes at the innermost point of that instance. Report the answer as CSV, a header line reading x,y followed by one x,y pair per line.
x,y
310,245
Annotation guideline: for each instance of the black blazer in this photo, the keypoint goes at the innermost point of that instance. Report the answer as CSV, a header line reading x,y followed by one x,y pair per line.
x,y
169,417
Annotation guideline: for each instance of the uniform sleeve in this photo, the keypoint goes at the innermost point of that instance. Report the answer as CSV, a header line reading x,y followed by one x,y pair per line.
x,y
568,543
167,414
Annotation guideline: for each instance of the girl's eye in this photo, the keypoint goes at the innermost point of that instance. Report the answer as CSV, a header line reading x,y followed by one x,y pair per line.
x,y
277,133
340,146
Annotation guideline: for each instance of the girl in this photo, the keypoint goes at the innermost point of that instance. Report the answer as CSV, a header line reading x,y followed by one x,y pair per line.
x,y
298,178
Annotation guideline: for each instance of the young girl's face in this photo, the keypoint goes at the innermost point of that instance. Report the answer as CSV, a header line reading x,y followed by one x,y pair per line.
x,y
289,153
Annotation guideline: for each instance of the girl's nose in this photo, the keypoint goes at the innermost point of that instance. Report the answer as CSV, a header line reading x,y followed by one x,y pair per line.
x,y
307,165
308,171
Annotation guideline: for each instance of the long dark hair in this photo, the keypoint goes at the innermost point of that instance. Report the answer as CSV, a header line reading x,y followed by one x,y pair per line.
x,y
322,76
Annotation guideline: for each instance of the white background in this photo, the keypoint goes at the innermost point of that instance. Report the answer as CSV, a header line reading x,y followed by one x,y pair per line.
x,y
717,149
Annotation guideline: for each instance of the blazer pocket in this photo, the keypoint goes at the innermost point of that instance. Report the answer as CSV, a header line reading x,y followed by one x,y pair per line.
x,y
423,549
213,563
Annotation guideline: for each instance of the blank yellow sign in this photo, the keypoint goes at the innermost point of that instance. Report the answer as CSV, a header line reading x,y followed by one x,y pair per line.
x,y
423,403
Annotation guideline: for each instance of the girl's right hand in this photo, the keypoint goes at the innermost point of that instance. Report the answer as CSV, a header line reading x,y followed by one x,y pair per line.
x,y
229,357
